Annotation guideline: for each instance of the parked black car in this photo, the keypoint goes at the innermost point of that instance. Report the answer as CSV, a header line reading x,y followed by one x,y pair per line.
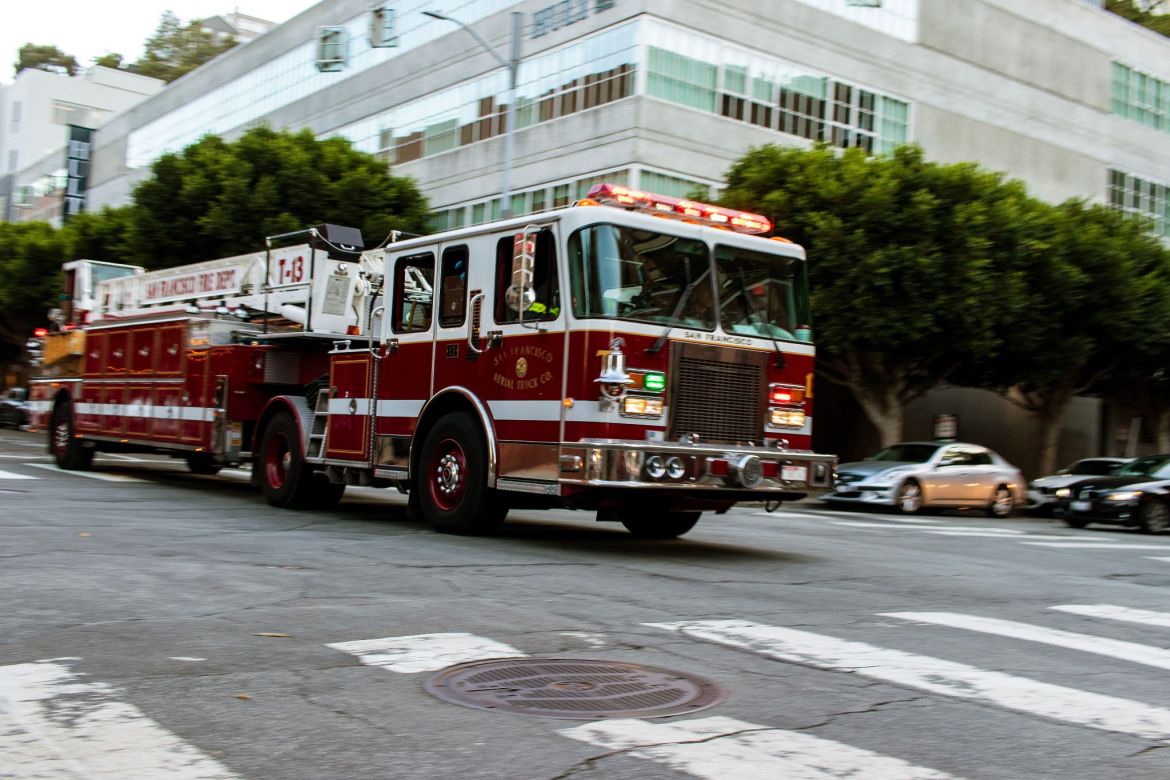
x,y
14,407
1136,494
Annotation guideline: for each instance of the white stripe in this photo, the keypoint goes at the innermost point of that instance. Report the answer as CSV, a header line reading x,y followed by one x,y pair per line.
x,y
962,528
1115,648
590,412
14,475
90,474
150,411
341,406
425,652
1154,558
409,409
1111,612
40,406
936,675
1099,546
55,725
540,411
718,748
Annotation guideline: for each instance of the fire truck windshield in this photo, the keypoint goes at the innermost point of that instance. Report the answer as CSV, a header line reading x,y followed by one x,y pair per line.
x,y
760,294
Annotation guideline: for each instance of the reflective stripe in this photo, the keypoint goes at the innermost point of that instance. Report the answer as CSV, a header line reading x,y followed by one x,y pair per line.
x,y
541,411
186,413
342,406
409,409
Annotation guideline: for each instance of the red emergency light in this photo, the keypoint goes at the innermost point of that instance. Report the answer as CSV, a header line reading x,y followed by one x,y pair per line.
x,y
664,205
40,333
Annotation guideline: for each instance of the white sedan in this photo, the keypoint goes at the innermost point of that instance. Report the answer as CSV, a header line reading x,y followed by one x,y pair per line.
x,y
912,476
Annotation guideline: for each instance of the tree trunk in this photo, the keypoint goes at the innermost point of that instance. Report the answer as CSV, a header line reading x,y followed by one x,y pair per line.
x,y
1050,420
1161,422
884,409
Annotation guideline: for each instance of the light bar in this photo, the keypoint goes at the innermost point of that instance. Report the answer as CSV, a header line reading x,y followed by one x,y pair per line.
x,y
679,208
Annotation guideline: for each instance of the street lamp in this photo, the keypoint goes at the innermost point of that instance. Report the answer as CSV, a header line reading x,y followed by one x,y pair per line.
x,y
513,65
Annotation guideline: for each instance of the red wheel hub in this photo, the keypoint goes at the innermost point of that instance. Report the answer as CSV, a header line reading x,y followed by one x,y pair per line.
x,y
277,459
447,474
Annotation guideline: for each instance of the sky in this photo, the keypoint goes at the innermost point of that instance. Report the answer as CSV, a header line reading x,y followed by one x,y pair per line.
x,y
87,29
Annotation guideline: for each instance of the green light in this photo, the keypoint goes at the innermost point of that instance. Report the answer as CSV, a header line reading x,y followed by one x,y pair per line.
x,y
655,383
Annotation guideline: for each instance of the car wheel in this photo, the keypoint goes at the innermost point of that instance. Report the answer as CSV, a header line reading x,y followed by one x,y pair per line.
x,y
651,525
908,499
1154,517
1002,502
1075,522
453,495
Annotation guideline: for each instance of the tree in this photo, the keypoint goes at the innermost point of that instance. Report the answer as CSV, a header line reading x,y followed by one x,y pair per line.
x,y
216,199
109,60
49,58
30,264
904,262
1140,13
176,49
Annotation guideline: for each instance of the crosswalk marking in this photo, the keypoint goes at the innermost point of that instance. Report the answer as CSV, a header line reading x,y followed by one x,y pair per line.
x,y
102,475
720,747
947,678
14,475
425,652
1115,648
1070,545
53,724
1112,612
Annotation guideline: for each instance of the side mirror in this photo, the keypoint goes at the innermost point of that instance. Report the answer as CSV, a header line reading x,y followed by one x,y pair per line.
x,y
520,294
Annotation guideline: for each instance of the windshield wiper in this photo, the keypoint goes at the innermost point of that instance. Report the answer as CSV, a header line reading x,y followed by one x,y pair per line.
x,y
760,320
678,307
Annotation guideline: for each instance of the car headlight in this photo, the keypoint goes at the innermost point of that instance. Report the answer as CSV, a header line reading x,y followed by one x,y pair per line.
x,y
1124,495
1062,493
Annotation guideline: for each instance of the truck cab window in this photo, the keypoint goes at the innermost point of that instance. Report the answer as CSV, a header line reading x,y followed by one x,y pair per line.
x,y
414,295
547,305
453,287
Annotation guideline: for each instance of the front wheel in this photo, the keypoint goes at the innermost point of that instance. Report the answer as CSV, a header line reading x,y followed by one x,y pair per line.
x,y
284,475
1154,517
908,499
451,480
202,463
66,448
649,525
1002,502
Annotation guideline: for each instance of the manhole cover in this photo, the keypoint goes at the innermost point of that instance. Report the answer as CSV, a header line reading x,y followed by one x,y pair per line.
x,y
574,688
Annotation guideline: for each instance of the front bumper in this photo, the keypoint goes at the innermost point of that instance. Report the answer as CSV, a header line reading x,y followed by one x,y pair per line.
x,y
737,472
859,493
1116,512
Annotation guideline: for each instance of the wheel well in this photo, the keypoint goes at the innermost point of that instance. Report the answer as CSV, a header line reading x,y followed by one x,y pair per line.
x,y
274,407
454,400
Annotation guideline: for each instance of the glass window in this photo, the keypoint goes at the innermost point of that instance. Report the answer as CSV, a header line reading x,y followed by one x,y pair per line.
x,y
547,304
453,287
622,273
413,293
760,294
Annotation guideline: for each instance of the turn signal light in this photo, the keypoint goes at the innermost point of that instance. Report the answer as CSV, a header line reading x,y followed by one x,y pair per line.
x,y
786,418
786,394
718,467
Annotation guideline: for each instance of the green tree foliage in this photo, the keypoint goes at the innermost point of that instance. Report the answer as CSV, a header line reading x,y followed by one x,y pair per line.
x,y
34,57
109,60
1159,23
904,262
216,199
176,49
30,261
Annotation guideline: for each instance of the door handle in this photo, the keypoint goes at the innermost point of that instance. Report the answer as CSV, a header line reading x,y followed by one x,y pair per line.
x,y
473,326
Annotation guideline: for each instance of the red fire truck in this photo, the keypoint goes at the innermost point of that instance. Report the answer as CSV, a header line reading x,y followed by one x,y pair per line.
x,y
645,357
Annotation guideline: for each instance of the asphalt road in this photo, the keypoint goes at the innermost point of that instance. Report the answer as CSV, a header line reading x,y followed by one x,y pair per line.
x,y
157,624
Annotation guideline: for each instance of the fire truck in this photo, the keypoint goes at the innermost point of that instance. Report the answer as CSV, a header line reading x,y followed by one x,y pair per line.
x,y
643,357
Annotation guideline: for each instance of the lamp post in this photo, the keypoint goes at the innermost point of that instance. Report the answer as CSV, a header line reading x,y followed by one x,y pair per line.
x,y
513,65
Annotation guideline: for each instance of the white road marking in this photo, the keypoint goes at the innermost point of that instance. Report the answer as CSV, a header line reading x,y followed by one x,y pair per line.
x,y
939,529
14,475
1099,546
1111,612
719,747
1156,558
24,456
54,725
593,640
186,658
1114,648
947,678
104,476
425,652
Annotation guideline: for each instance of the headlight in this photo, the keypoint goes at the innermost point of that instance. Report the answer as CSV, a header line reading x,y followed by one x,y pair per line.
x,y
1124,495
1062,493
786,418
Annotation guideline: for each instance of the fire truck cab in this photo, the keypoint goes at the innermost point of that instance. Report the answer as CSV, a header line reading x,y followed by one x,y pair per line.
x,y
644,357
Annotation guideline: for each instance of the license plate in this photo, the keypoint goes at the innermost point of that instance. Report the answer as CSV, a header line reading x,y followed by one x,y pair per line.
x,y
794,473
1081,506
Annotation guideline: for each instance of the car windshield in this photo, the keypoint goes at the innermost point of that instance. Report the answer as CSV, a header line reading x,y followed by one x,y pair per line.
x,y
908,453
622,273
1157,466
1093,467
760,294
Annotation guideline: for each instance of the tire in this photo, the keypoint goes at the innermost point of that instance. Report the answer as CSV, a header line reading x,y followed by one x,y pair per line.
x,y
451,479
1154,517
908,499
202,463
1075,522
65,447
325,494
1002,503
285,478
648,525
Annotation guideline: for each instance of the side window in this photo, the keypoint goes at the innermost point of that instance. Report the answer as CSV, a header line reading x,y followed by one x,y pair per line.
x,y
414,295
980,458
547,305
453,287
954,457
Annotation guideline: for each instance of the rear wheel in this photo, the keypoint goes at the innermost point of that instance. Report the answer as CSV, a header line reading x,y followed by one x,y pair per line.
x,y
325,494
1002,502
908,499
451,481
649,525
1075,522
284,475
66,448
202,463
1154,517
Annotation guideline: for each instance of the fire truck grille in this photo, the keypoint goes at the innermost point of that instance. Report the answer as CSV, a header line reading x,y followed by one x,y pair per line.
x,y
718,400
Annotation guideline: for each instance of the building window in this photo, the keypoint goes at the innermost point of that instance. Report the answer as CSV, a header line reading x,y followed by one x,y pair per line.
x,y
1148,199
332,43
1139,96
672,186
